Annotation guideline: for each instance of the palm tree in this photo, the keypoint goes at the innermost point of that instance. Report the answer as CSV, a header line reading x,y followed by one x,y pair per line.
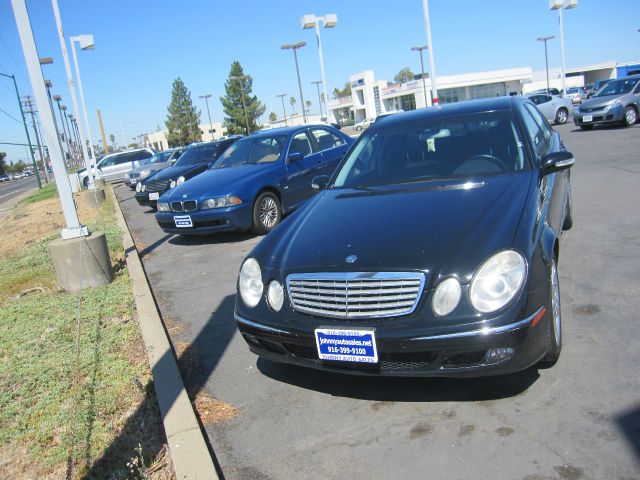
x,y
292,101
308,105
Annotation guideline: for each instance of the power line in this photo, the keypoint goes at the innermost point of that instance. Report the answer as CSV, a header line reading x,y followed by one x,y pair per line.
x,y
10,116
12,57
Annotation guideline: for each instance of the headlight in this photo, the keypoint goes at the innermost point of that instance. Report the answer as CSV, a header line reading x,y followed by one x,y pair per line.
x,y
497,281
145,173
138,187
275,295
163,207
172,184
250,282
220,202
144,188
180,180
446,297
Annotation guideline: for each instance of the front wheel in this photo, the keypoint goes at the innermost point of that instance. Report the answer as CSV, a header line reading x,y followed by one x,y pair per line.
x,y
630,116
266,213
554,333
562,115
85,182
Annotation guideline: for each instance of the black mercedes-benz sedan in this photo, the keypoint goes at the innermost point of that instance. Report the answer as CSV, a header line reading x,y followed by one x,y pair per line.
x,y
432,251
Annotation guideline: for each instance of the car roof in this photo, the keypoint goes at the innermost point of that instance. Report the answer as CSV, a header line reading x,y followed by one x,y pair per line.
x,y
288,130
450,109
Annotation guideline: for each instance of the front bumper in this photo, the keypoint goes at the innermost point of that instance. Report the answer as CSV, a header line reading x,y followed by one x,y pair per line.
x,y
600,117
239,217
456,354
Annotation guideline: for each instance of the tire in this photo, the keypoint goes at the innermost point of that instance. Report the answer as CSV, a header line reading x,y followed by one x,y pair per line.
x,y
85,182
586,127
568,219
553,339
630,116
267,213
562,115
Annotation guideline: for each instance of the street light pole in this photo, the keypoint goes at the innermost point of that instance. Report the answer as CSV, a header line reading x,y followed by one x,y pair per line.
x,y
86,43
432,66
206,99
241,78
282,95
295,48
57,99
546,58
424,85
26,130
317,84
560,5
74,229
72,89
330,20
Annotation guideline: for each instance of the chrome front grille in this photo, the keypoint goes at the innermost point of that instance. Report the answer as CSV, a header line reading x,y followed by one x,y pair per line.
x,y
355,294
157,185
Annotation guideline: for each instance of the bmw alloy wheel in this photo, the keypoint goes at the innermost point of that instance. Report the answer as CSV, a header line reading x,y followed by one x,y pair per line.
x,y
268,212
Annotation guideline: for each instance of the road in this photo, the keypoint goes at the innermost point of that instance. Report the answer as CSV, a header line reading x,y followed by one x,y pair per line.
x,y
11,192
577,420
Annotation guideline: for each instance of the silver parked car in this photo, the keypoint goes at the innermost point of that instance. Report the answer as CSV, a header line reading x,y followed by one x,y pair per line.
x,y
576,94
556,109
159,161
617,102
114,167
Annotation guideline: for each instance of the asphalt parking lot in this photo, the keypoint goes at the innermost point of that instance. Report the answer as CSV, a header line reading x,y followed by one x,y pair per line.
x,y
577,420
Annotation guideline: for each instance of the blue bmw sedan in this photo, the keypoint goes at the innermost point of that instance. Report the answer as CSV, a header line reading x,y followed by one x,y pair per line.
x,y
432,251
255,182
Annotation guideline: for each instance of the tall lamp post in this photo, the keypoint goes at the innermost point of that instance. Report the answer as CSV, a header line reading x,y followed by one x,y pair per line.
x,y
282,95
72,90
424,85
330,20
546,58
560,5
295,48
432,66
58,99
86,43
317,84
241,79
206,99
26,130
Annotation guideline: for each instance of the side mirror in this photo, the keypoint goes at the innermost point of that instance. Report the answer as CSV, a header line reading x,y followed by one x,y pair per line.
x,y
295,157
320,182
557,161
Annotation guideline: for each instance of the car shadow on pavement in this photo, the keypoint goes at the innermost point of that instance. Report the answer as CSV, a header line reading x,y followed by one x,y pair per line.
x,y
196,362
214,239
399,389
629,423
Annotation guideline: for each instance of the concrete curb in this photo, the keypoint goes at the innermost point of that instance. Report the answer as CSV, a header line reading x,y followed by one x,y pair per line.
x,y
189,452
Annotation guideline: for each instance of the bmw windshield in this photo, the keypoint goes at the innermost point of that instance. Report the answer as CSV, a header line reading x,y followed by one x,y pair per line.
x,y
465,146
252,150
198,154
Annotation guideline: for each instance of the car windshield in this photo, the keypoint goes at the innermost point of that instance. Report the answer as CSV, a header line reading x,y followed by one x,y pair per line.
x,y
252,150
572,90
464,146
617,87
198,154
158,158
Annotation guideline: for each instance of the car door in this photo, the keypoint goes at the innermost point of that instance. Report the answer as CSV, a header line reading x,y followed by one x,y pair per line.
x,y
106,167
331,146
547,106
303,162
129,161
553,187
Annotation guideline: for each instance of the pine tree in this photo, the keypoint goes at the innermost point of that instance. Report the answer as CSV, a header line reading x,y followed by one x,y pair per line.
x,y
237,85
183,118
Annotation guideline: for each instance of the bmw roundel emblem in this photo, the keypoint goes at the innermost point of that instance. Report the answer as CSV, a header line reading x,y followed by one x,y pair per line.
x,y
351,258
184,196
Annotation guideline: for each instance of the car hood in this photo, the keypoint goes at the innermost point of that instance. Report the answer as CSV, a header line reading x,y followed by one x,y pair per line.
x,y
174,172
442,228
601,101
220,182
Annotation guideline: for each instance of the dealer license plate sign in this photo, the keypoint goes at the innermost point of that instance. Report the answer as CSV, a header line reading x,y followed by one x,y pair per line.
x,y
346,345
587,118
183,221
154,196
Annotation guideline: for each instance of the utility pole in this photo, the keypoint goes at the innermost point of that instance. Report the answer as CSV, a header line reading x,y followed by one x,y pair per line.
x,y
105,145
30,110
26,130
546,58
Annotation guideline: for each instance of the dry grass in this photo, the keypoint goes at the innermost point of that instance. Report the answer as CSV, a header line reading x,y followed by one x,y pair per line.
x,y
211,410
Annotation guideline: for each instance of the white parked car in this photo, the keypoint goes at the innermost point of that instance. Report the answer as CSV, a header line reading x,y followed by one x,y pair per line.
x,y
555,108
362,124
114,167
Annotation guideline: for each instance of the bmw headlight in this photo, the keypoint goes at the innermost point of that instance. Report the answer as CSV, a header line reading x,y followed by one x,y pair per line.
x,y
138,187
145,173
144,188
220,202
446,297
180,180
250,282
163,207
172,184
275,295
497,281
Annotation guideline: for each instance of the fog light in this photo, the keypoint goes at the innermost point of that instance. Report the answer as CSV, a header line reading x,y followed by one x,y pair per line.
x,y
495,355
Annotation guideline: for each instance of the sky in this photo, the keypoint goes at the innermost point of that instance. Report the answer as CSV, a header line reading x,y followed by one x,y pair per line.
x,y
142,46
